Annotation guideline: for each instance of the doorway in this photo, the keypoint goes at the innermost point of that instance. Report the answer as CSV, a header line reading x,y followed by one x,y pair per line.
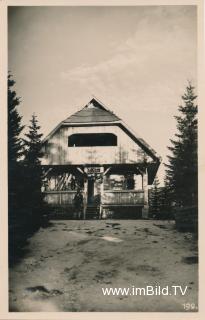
x,y
90,191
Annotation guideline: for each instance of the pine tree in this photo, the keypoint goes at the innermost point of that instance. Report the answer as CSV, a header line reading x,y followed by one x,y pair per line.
x,y
154,200
33,171
181,170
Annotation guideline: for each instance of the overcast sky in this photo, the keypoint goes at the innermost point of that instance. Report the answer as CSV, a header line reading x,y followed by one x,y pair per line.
x,y
136,60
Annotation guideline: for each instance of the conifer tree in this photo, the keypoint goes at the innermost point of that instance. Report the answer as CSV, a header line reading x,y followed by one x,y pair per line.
x,y
33,144
181,170
15,151
154,200
165,201
15,171
15,146
33,171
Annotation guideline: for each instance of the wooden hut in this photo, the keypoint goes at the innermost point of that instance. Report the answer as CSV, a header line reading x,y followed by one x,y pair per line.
x,y
95,150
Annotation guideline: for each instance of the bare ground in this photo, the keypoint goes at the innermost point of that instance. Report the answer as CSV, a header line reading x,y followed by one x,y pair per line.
x,y
67,264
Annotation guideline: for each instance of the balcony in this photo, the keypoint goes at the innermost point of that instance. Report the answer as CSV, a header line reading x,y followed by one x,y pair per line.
x,y
109,198
55,198
123,197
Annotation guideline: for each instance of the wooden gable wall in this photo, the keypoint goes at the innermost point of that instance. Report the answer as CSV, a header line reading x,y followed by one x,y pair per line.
x,y
57,152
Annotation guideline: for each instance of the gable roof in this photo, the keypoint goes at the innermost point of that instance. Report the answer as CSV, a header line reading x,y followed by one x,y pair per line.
x,y
92,112
96,113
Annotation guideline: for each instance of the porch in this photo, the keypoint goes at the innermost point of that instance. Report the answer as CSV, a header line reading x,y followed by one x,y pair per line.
x,y
111,200
110,197
105,190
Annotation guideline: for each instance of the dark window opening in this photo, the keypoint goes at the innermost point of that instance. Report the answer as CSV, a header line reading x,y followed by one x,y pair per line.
x,y
92,140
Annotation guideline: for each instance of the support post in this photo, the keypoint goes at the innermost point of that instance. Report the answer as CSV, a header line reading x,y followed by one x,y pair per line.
x,y
145,209
85,199
101,194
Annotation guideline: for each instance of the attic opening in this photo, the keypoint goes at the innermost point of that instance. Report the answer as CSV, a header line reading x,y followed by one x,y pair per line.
x,y
92,140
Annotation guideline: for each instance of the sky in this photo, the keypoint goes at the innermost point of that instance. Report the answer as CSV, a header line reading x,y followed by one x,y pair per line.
x,y
136,60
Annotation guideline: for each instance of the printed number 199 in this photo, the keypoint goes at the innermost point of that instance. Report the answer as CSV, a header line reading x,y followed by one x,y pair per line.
x,y
190,306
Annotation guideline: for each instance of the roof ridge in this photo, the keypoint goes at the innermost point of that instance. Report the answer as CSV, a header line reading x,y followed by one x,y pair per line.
x,y
97,113
104,106
100,103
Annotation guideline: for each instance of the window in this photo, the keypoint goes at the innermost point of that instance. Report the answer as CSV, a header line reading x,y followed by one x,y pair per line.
x,y
92,140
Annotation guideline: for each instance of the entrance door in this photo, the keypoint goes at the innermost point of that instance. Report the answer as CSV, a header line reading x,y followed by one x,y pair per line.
x,y
90,191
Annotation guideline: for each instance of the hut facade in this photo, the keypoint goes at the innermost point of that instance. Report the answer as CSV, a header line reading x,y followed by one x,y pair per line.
x,y
95,151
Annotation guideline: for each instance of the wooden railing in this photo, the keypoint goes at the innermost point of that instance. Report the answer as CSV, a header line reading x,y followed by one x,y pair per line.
x,y
89,155
123,197
59,197
110,197
92,155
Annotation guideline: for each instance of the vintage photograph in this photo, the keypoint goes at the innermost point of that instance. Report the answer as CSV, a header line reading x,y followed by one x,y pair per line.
x,y
102,158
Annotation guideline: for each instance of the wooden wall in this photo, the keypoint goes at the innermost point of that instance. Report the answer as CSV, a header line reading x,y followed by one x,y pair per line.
x,y
57,152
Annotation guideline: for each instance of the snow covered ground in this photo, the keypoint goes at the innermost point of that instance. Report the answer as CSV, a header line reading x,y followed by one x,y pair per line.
x,y
67,264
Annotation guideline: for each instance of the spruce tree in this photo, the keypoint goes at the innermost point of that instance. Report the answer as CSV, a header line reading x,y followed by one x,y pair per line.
x,y
15,173
15,152
15,146
181,170
154,200
33,171
165,201
33,144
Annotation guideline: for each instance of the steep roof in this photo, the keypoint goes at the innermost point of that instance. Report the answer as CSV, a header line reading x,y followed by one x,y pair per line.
x,y
92,112
96,113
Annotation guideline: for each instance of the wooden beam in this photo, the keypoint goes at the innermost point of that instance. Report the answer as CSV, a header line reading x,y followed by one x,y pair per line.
x,y
79,169
46,173
106,171
140,171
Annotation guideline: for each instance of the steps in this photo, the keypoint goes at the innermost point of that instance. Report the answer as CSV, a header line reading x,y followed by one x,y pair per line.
x,y
92,212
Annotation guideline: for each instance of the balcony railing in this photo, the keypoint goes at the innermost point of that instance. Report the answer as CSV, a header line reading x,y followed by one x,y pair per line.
x,y
54,198
123,197
88,155
110,197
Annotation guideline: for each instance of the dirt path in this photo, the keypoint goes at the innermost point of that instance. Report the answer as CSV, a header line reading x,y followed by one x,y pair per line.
x,y
69,263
